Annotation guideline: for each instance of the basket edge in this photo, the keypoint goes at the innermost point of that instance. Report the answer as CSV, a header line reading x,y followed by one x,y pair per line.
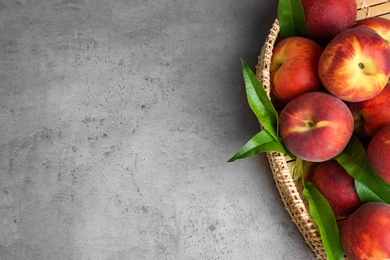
x,y
291,198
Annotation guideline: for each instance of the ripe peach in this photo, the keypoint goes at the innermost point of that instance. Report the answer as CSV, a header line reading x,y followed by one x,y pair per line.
x,y
371,115
315,126
294,66
337,187
355,65
379,24
378,152
365,233
327,18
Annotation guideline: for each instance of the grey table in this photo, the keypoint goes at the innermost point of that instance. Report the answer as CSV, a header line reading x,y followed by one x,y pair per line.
x,y
117,118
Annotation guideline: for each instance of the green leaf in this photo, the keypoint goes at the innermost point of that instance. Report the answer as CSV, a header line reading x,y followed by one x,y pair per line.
x,y
267,140
261,142
365,194
323,216
355,161
291,19
299,168
260,103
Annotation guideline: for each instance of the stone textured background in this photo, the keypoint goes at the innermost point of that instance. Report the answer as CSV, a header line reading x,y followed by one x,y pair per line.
x,y
117,119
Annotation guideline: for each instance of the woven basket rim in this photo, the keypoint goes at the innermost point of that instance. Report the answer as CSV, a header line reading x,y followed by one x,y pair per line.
x,y
287,188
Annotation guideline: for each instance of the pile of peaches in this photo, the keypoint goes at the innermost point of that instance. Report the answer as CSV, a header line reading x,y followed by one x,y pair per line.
x,y
330,86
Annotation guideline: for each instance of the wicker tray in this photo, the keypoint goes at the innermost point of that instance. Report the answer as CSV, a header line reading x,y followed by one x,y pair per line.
x,y
289,188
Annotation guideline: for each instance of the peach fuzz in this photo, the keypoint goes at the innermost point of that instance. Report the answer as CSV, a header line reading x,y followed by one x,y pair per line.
x,y
355,65
316,126
365,233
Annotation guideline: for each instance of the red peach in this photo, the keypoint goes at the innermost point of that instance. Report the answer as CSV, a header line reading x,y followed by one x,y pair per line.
x,y
337,187
380,25
371,115
316,126
365,233
378,152
327,18
294,66
355,65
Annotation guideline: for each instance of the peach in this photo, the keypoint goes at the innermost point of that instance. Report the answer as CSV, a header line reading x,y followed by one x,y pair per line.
x,y
337,187
365,233
294,66
380,25
355,65
371,115
327,18
315,126
378,152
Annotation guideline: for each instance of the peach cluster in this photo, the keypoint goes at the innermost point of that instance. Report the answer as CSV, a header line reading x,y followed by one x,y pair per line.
x,y
329,86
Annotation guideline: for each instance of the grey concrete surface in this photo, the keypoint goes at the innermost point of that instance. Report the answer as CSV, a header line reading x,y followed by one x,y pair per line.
x,y
117,118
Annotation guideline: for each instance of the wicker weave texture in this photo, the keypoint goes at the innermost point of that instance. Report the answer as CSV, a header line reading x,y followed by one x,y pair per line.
x,y
289,188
